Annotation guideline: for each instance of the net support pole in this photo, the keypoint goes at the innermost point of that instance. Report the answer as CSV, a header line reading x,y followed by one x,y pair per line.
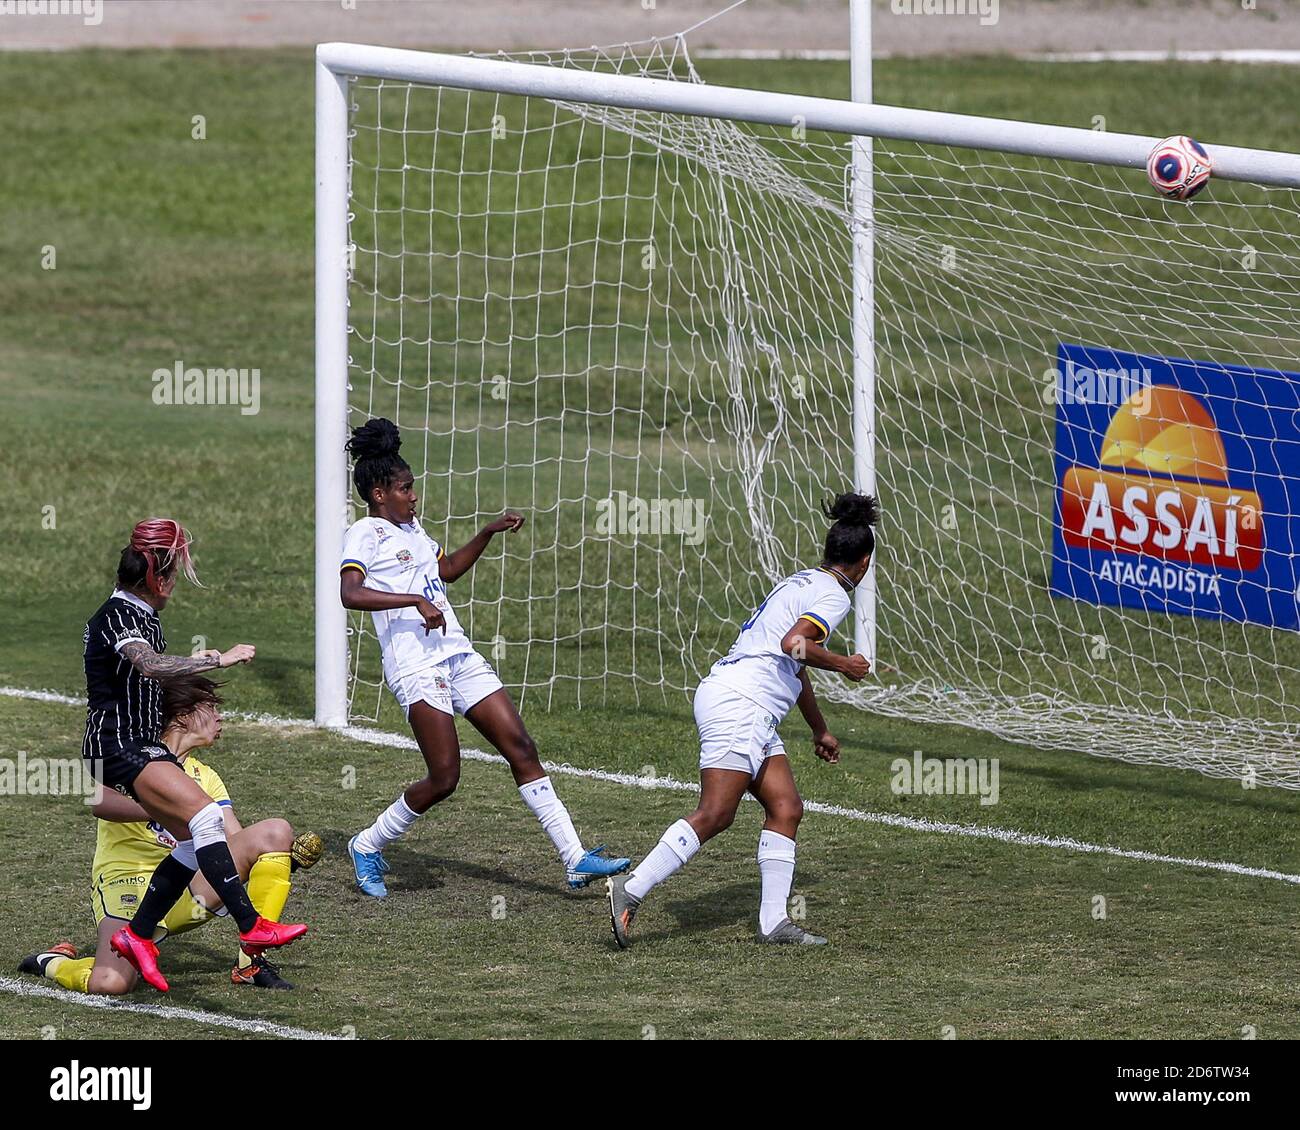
x,y
864,330
331,391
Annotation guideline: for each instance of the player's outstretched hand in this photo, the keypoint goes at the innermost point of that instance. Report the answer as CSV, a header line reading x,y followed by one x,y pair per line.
x,y
240,653
856,668
509,522
827,746
431,616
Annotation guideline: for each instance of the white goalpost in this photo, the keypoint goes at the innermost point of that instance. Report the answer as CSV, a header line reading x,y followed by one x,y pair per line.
x,y
667,318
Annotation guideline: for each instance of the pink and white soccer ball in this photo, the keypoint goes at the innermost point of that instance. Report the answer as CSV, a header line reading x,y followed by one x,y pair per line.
x,y
1179,167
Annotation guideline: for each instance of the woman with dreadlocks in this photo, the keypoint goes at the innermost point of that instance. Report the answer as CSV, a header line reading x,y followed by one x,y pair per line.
x,y
123,745
397,572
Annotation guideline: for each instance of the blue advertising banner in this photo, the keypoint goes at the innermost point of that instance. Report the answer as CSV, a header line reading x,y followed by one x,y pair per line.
x,y
1177,486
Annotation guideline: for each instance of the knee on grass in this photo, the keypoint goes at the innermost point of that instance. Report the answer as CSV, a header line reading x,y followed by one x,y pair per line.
x,y
109,982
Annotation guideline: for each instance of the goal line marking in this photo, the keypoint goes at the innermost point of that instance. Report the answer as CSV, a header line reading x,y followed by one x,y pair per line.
x,y
887,819
35,988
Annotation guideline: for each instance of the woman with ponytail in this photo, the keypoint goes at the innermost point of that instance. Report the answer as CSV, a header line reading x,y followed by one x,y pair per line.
x,y
123,748
738,707
394,570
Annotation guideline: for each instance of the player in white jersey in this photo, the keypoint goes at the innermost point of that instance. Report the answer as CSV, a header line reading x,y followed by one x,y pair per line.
x,y
738,707
394,570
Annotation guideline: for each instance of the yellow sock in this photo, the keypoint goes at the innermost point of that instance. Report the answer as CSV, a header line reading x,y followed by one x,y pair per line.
x,y
71,973
268,889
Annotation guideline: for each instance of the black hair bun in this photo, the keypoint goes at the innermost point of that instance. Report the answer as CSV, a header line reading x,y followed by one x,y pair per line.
x,y
854,509
376,438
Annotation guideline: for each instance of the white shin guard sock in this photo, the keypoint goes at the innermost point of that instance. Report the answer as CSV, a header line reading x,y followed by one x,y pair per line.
x,y
207,826
540,797
390,824
673,851
776,868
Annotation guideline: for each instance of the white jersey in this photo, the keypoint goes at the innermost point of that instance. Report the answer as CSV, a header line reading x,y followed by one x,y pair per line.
x,y
756,667
404,559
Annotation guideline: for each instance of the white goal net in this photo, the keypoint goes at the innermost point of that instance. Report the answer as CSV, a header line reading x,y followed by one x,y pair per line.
x,y
634,327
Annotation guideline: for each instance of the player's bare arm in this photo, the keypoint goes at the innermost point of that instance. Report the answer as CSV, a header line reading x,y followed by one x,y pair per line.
x,y
354,594
800,643
155,665
118,809
825,744
455,565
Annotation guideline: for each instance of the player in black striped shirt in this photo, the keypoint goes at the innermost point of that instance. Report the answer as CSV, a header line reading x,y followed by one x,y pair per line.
x,y
124,751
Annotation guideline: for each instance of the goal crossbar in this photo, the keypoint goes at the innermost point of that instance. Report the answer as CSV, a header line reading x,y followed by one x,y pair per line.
x,y
760,107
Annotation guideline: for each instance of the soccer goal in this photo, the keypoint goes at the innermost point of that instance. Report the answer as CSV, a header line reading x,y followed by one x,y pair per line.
x,y
666,319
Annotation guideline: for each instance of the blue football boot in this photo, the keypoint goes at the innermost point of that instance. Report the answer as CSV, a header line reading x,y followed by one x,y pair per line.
x,y
369,868
595,865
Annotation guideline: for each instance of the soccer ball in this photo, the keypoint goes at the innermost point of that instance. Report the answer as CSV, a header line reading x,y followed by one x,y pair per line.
x,y
1179,167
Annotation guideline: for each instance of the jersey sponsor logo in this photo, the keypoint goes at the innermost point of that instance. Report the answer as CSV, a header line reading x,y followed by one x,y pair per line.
x,y
431,589
164,837
154,751
1170,501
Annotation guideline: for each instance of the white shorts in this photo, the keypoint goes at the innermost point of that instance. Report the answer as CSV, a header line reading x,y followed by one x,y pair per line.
x,y
735,733
454,687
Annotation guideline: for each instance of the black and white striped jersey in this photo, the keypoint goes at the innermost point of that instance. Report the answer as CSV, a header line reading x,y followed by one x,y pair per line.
x,y
123,707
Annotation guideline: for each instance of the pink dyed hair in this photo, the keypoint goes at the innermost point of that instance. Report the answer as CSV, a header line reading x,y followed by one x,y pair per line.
x,y
164,544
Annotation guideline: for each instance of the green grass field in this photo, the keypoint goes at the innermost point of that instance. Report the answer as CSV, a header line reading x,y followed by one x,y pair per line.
x,y
172,249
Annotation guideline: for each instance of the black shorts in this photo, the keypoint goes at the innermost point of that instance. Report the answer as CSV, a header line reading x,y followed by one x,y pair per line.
x,y
119,770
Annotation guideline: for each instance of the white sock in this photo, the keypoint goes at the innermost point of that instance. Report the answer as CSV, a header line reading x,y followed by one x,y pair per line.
x,y
776,866
540,796
391,823
670,855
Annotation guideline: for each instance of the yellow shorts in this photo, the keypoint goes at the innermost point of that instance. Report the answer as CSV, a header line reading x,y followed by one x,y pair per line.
x,y
118,896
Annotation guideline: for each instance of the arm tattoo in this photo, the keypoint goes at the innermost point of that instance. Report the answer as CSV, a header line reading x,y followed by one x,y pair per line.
x,y
154,666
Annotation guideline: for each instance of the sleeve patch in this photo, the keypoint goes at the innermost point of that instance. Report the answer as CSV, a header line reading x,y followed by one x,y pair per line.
x,y
815,619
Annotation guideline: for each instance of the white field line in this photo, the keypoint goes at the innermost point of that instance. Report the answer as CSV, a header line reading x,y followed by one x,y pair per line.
x,y
888,819
33,988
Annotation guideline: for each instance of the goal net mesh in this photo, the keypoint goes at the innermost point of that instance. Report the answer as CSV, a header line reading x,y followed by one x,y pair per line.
x,y
634,327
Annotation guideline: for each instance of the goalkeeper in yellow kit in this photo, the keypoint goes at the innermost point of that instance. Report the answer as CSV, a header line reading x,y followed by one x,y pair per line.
x,y
129,846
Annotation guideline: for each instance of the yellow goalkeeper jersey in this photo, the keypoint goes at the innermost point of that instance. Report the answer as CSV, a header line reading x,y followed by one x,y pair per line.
x,y
137,848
